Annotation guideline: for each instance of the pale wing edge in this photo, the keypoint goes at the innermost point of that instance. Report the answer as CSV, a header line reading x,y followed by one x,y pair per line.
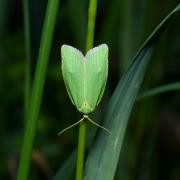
x,y
73,50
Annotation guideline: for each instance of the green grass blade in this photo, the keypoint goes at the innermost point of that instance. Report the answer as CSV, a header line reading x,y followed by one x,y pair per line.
x,y
37,88
158,90
82,127
103,158
27,38
91,24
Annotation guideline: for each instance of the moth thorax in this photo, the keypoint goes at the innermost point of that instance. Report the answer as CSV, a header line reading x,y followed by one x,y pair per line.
x,y
85,116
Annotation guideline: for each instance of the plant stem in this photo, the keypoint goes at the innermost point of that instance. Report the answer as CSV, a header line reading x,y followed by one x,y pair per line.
x,y
82,129
91,24
37,89
81,149
27,38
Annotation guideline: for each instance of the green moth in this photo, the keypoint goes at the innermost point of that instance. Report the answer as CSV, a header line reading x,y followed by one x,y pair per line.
x,y
85,78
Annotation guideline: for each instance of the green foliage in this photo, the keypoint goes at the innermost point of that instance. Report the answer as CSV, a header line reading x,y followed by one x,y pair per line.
x,y
144,141
161,89
103,158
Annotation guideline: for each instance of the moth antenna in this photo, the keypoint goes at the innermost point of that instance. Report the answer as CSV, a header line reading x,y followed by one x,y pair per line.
x,y
69,127
87,117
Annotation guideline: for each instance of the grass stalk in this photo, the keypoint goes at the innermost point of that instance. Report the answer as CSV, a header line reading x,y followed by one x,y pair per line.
x,y
27,38
37,89
91,24
82,128
159,90
81,149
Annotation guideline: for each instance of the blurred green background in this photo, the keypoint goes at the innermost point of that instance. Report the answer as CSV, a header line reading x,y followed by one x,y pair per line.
x,y
151,147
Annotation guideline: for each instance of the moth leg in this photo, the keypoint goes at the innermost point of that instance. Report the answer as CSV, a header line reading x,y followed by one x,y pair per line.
x,y
69,127
87,117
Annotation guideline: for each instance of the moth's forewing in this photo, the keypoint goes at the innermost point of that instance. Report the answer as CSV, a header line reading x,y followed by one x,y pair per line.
x,y
72,71
85,77
96,74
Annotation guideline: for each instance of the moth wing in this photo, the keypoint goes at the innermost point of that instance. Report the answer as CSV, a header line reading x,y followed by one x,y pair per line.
x,y
72,71
96,74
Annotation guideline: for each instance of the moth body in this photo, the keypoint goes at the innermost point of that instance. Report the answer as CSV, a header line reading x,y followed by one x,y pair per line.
x,y
85,76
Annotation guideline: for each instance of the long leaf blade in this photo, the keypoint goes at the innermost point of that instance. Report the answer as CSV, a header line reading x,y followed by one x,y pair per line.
x,y
160,89
37,89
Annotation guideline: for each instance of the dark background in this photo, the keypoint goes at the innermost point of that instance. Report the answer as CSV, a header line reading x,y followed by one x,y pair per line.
x,y
152,144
